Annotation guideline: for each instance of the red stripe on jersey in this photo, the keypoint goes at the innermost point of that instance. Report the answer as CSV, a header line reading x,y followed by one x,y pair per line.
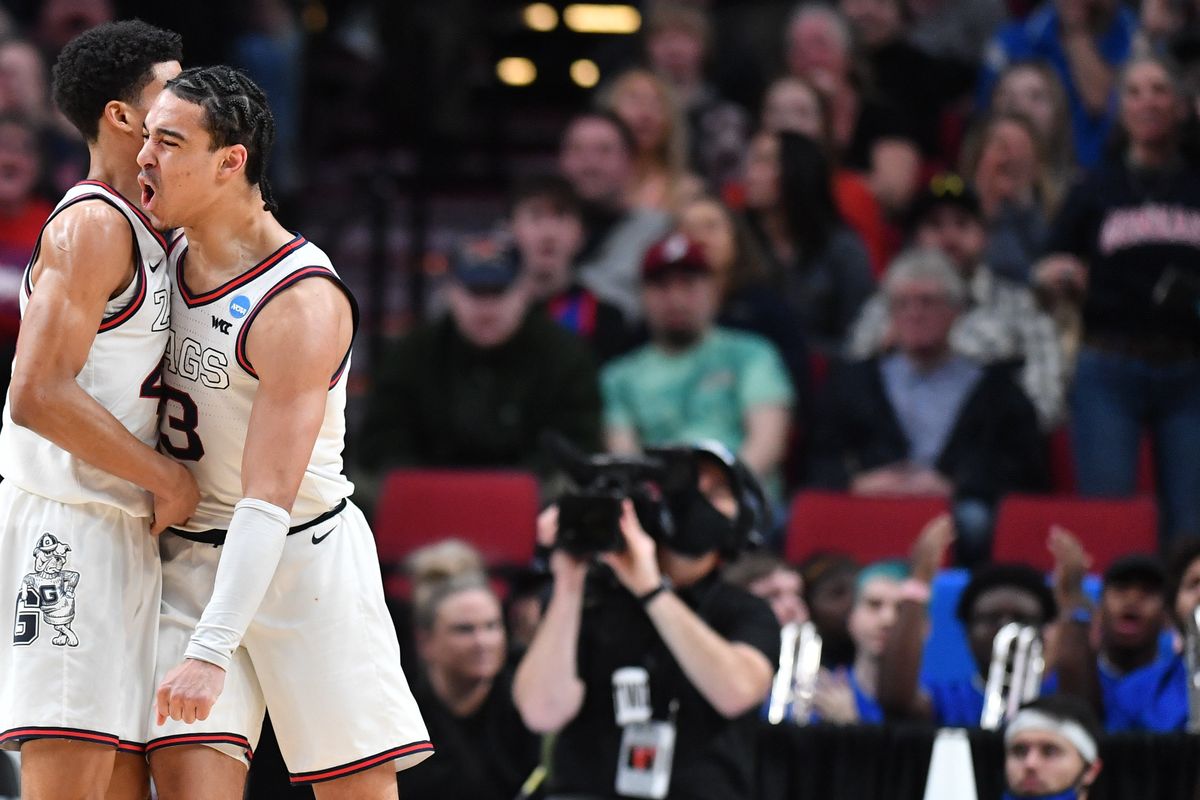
x,y
108,323
258,269
132,207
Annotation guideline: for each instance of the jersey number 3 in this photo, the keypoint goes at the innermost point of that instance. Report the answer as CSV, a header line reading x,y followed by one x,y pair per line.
x,y
188,417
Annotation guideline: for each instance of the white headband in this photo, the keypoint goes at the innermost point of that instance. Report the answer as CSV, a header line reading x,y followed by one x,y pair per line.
x,y
1030,719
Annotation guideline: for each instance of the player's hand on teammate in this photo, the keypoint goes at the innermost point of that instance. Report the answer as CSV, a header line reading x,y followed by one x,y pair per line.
x,y
176,504
189,691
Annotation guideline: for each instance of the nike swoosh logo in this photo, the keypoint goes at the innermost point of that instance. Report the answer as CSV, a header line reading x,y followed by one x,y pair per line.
x,y
318,539
156,266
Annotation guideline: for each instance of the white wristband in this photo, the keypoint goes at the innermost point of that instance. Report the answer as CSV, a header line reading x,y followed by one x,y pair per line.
x,y
253,547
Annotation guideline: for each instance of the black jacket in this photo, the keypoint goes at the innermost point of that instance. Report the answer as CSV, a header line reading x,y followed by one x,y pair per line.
x,y
993,448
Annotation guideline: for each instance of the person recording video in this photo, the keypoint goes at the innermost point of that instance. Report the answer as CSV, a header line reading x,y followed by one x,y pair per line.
x,y
649,667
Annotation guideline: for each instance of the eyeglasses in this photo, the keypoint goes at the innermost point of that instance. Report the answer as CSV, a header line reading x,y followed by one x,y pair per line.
x,y
947,184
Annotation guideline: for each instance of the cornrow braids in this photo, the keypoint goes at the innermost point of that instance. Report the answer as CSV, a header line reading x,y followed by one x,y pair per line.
x,y
235,112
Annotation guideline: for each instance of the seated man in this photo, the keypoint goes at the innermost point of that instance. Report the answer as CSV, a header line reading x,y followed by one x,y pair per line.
x,y
479,387
850,696
769,577
547,227
655,654
925,420
1138,688
1000,321
597,156
997,595
1051,751
695,380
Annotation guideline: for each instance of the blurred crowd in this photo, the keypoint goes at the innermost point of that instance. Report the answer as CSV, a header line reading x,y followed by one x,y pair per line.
x,y
949,235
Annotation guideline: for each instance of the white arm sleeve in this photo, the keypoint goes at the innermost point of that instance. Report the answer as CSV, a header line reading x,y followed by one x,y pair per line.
x,y
253,547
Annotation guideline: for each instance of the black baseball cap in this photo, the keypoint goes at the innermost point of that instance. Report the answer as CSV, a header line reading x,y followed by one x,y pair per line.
x,y
485,267
1139,568
945,189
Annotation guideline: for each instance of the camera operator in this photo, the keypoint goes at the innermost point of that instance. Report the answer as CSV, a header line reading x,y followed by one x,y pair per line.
x,y
650,668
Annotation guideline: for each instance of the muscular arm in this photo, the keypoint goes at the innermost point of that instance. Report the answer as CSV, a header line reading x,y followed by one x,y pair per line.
x,y
86,258
547,689
733,677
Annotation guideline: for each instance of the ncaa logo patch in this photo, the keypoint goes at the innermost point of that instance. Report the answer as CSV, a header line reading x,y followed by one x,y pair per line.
x,y
239,306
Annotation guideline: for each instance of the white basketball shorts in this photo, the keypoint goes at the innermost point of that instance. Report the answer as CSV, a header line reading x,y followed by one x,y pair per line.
x,y
82,585
321,654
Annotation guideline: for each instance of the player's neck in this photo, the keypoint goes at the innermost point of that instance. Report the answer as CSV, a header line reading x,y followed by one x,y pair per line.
x,y
116,167
233,238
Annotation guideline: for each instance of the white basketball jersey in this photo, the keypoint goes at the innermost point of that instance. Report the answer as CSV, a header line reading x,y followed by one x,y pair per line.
x,y
119,373
211,384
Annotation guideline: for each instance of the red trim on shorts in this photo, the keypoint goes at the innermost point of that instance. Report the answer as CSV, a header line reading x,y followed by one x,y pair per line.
x,y
362,764
74,734
201,738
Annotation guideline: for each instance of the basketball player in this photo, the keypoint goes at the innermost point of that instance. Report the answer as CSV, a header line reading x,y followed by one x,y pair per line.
x,y
82,480
288,611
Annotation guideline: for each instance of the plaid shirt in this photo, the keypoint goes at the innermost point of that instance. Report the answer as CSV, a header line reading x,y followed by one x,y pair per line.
x,y
1002,323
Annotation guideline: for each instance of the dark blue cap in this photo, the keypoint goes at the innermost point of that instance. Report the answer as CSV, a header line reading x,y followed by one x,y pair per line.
x,y
485,267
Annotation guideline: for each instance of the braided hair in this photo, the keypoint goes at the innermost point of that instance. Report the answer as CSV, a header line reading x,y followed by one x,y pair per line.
x,y
235,112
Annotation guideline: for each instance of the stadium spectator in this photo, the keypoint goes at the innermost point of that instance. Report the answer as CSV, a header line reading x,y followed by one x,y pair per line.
x,y
626,663
646,104
771,578
829,586
1183,584
996,595
957,29
695,380
924,419
598,156
547,228
678,41
22,213
1138,687
1004,162
1086,42
1051,750
869,134
849,696
24,92
793,105
1033,89
821,266
1000,321
749,299
924,87
1128,241
465,693
479,387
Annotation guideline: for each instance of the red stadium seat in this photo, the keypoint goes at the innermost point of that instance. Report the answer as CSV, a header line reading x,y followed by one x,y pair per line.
x,y
1062,464
1108,529
494,511
864,528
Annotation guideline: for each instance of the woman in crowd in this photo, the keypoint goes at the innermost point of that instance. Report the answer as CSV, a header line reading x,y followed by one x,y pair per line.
x,y
465,693
869,135
822,265
645,103
1005,163
793,104
749,301
1128,242
1033,89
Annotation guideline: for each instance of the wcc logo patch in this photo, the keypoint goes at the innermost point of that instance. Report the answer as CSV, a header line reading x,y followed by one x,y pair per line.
x,y
47,595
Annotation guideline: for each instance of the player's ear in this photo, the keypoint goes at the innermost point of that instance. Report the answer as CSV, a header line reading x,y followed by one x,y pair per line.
x,y
233,161
120,116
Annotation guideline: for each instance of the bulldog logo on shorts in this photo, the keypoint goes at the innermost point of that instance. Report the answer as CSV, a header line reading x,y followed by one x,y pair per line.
x,y
47,595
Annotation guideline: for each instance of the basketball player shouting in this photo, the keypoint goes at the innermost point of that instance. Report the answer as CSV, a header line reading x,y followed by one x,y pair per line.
x,y
81,477
289,610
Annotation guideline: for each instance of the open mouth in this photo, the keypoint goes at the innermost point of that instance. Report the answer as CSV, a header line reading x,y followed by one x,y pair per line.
x,y
147,192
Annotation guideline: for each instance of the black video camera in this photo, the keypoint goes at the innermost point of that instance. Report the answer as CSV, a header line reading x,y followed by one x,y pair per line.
x,y
589,518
